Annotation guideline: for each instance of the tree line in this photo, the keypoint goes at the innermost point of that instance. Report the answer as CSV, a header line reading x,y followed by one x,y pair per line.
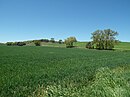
x,y
101,39
36,42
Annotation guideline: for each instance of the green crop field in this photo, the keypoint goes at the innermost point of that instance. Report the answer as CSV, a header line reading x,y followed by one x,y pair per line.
x,y
31,71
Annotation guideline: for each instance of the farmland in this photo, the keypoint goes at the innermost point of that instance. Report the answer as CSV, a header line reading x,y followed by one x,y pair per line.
x,y
31,71
119,46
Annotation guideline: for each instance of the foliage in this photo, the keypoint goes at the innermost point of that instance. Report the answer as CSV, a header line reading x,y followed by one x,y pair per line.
x,y
37,43
9,43
60,41
44,40
104,39
15,43
69,42
21,43
52,40
90,45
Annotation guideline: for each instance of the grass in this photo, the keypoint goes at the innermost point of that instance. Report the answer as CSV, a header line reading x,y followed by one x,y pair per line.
x,y
123,46
53,72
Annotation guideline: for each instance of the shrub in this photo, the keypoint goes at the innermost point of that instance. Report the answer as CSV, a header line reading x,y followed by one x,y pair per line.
x,y
90,45
37,43
69,42
9,43
21,43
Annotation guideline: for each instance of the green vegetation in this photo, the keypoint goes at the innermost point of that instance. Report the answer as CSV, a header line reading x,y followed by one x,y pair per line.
x,y
69,42
60,41
15,43
103,39
47,71
123,46
30,71
2,44
37,43
52,40
90,45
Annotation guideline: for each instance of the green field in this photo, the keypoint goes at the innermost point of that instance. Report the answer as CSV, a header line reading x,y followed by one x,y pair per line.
x,y
119,46
123,46
31,71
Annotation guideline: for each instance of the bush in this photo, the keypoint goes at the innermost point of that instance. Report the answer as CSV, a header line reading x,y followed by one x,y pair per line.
x,y
21,43
37,43
89,45
69,42
15,43
9,43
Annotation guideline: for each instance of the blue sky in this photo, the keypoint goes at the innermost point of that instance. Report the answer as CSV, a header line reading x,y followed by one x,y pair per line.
x,y
36,19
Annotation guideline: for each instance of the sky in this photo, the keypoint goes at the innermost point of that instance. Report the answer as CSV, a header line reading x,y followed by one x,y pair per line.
x,y
39,19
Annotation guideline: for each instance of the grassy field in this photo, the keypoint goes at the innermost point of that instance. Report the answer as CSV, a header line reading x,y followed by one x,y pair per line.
x,y
31,71
123,46
119,46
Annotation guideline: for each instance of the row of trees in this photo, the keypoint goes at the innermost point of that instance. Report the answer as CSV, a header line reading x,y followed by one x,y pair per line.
x,y
15,43
52,40
38,42
101,39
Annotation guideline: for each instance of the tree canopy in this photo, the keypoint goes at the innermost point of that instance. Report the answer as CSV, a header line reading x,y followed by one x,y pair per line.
x,y
69,42
104,39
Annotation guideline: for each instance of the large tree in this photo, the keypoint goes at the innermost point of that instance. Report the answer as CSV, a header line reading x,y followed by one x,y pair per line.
x,y
104,39
69,42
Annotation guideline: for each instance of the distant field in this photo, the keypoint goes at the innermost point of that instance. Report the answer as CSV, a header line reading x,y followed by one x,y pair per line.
x,y
2,44
123,46
119,46
32,71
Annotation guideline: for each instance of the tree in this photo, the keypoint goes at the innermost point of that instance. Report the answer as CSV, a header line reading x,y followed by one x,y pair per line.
x,y
60,41
90,45
37,43
104,39
52,40
69,42
44,40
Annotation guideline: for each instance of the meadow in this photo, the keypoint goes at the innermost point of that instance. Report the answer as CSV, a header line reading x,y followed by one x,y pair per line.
x,y
31,71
